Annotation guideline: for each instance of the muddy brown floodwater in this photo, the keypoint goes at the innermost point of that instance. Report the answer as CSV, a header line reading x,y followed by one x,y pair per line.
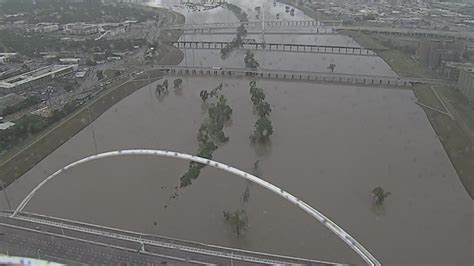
x,y
332,145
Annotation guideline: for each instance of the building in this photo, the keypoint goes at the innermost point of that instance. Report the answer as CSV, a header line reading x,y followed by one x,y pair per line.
x,y
73,61
81,29
35,77
7,57
43,28
6,125
433,52
450,70
466,83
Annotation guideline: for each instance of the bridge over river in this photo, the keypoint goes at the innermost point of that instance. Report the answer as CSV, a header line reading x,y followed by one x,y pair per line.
x,y
280,47
353,79
256,24
18,216
313,27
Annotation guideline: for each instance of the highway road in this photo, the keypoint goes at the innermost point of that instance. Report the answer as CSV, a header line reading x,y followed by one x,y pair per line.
x,y
18,242
71,242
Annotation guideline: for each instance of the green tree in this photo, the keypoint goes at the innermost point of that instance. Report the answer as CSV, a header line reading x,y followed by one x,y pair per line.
x,y
204,95
237,220
263,109
177,83
242,31
263,130
99,74
90,62
250,61
332,67
257,95
379,195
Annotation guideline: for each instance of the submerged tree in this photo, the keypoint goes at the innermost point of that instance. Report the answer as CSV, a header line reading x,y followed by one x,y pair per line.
x,y
250,61
263,109
379,195
165,84
237,220
177,83
204,95
332,67
242,31
263,130
257,95
246,196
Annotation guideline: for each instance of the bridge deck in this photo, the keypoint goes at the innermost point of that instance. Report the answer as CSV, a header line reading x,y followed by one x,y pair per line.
x,y
281,47
256,24
428,33
359,80
149,245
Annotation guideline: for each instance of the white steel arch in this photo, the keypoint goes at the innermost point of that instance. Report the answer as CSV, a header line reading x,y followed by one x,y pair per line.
x,y
348,239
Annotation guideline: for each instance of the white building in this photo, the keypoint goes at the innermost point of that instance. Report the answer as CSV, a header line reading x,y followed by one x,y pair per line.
x,y
6,125
43,28
81,28
7,57
35,77
74,61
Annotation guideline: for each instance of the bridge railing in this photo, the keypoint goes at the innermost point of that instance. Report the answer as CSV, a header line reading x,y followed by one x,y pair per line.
x,y
281,47
363,80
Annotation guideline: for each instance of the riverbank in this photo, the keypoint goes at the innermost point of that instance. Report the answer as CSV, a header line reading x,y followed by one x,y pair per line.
x,y
456,136
19,160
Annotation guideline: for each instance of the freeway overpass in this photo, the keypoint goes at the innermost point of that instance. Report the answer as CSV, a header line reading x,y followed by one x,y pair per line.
x,y
66,241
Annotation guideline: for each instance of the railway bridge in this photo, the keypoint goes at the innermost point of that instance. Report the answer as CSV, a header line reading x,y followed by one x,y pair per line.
x,y
280,47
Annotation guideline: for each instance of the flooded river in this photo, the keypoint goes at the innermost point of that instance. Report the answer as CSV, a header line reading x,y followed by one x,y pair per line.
x,y
332,145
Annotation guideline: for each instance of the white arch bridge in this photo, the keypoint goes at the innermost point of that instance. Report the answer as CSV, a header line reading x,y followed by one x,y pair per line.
x,y
321,218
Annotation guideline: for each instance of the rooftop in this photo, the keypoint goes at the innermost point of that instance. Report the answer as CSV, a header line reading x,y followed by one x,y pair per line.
x,y
32,75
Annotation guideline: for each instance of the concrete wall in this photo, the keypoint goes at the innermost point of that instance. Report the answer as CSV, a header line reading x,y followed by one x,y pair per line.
x,y
466,83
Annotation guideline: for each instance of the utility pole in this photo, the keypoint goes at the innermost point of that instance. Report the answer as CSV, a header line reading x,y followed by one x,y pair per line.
x,y
5,193
92,127
263,24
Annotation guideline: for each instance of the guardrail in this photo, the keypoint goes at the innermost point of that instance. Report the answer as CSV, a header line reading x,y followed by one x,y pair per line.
x,y
142,239
353,79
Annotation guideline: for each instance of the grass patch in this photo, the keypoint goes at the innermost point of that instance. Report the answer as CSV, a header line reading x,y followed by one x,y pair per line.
x,y
461,108
457,144
404,65
400,62
363,39
425,95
